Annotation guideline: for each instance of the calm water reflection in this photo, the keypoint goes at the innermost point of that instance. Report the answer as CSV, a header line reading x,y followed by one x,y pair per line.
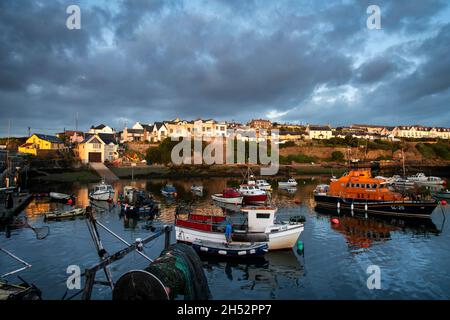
x,y
413,255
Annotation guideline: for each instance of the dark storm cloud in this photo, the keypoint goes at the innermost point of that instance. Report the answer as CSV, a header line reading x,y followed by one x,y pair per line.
x,y
307,61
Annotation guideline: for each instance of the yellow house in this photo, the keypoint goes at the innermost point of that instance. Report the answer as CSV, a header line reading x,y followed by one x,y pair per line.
x,y
41,142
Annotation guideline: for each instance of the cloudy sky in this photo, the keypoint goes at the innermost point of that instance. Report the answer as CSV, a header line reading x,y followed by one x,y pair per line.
x,y
294,61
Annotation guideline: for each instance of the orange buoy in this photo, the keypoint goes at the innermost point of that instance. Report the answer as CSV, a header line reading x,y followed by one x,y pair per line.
x,y
443,203
70,202
297,201
335,221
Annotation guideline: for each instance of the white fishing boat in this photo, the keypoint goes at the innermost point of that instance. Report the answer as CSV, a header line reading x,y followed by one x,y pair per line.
x,y
421,179
197,188
290,183
261,226
61,214
102,192
59,196
401,182
263,185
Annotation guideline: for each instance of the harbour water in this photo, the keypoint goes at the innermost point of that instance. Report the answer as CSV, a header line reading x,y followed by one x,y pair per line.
x,y
412,255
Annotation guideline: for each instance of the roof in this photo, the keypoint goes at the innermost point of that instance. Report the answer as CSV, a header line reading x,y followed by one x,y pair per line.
x,y
99,127
107,138
158,125
147,127
47,137
319,128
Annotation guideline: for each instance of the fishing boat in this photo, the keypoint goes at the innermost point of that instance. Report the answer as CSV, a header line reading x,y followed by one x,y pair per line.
x,y
169,191
441,195
421,179
290,183
61,214
229,195
252,194
263,185
357,191
259,225
230,250
60,196
400,182
102,192
197,188
149,210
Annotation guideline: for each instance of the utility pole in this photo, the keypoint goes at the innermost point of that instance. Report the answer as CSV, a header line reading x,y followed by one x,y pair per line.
x,y
9,129
76,122
29,131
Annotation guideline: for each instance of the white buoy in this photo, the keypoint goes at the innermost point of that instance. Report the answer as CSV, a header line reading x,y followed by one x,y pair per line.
x,y
338,205
351,207
365,207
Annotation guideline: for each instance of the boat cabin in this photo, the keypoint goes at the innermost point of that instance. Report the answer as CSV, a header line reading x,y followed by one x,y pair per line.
x,y
359,184
259,218
101,188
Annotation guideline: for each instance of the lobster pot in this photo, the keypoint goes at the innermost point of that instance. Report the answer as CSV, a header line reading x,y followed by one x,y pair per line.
x,y
178,269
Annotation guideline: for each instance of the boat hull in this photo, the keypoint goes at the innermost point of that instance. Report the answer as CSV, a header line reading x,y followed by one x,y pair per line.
x,y
64,215
231,250
413,209
101,196
59,196
260,198
220,198
278,240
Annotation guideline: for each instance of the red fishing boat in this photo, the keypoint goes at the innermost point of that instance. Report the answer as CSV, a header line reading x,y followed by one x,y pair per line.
x,y
229,195
252,194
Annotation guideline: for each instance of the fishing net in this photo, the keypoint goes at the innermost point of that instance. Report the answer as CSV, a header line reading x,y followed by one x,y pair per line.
x,y
179,268
41,232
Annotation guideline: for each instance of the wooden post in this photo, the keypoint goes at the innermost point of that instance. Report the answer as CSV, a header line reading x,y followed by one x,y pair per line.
x,y
90,278
167,237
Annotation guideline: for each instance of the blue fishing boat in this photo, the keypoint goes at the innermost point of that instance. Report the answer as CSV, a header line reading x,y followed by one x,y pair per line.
x,y
169,191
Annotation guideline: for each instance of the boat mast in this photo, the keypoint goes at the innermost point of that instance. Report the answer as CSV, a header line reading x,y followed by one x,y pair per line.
x,y
403,161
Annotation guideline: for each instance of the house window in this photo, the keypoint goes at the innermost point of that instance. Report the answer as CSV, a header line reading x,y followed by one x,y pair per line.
x,y
97,146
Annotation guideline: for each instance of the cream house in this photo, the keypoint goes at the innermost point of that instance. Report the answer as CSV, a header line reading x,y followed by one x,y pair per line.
x,y
178,128
159,132
319,132
97,148
442,133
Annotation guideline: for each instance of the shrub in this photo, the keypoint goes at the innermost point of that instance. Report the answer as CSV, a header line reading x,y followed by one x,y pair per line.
x,y
337,156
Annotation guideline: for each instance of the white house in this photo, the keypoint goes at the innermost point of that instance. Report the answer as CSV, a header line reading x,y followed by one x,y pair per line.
x,y
101,129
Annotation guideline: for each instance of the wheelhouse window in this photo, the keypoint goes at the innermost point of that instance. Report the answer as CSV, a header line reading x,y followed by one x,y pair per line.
x,y
262,215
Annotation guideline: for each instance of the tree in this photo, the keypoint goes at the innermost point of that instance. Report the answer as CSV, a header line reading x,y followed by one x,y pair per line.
x,y
337,156
153,155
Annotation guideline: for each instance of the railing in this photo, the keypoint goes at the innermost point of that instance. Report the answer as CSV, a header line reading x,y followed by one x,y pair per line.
x,y
107,259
